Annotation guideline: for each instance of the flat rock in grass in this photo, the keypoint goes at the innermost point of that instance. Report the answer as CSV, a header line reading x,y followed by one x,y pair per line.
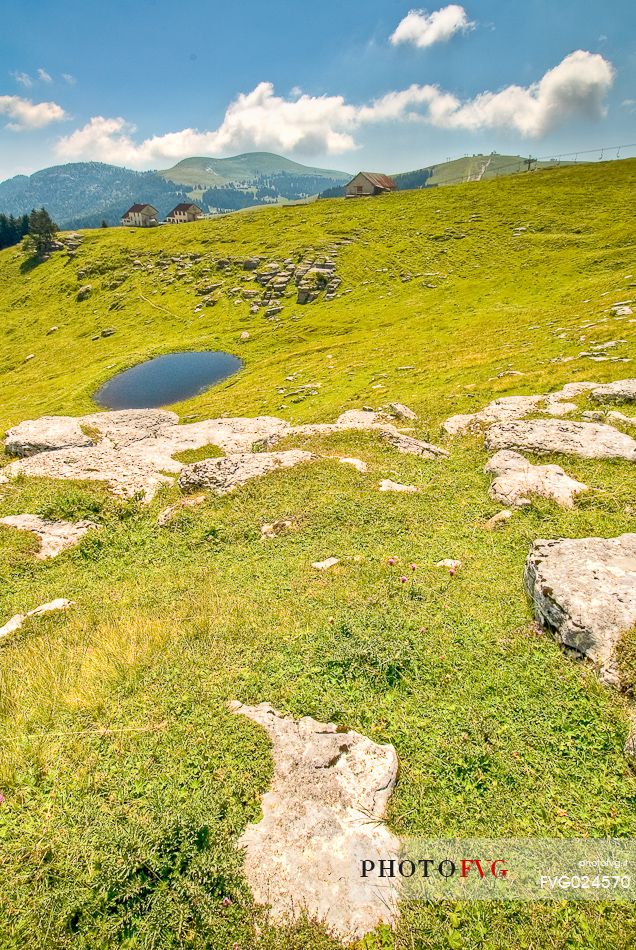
x,y
450,563
321,816
125,474
222,475
517,479
498,519
132,450
44,434
623,390
326,564
18,620
584,592
54,536
388,485
508,408
358,464
409,446
401,411
585,439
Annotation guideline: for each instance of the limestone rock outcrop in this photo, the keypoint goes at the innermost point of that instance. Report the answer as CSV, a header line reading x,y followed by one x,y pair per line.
x,y
585,439
54,536
584,591
222,475
321,816
517,479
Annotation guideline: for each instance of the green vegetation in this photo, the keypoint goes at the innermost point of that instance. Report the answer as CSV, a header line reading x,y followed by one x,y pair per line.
x,y
126,780
211,172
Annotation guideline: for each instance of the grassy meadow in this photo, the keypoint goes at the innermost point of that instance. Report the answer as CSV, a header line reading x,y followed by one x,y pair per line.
x,y
126,780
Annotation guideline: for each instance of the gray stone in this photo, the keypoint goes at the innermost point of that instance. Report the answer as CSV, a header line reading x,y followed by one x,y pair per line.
x,y
222,475
321,817
584,591
54,536
401,411
585,439
623,390
517,479
410,446
84,291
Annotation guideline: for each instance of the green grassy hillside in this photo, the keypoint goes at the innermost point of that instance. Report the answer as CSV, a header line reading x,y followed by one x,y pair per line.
x,y
126,781
241,168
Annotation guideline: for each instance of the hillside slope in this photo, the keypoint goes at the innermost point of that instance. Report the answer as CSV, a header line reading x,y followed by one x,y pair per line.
x,y
126,780
241,169
82,194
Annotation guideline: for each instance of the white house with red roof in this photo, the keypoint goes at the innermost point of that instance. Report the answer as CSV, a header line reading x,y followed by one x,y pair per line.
x,y
141,216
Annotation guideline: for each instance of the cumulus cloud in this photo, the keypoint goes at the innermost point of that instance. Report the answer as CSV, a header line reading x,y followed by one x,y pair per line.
x,y
259,119
44,76
314,125
25,114
422,29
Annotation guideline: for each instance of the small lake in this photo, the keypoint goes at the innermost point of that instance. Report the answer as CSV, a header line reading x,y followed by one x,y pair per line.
x,y
166,379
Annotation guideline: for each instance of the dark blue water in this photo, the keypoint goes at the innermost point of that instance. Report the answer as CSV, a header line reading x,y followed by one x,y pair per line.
x,y
166,379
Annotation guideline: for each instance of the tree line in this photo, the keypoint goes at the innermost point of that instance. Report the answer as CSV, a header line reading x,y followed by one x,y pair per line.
x,y
38,227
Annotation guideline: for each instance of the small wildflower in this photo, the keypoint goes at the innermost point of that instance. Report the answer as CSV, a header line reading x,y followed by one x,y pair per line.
x,y
226,901
403,579
413,567
1,798
392,561
451,571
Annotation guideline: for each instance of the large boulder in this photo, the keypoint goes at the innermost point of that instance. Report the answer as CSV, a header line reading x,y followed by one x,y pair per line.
x,y
517,479
585,439
321,817
584,591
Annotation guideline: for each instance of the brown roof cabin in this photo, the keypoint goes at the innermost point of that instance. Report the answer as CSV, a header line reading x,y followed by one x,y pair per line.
x,y
369,183
186,211
141,216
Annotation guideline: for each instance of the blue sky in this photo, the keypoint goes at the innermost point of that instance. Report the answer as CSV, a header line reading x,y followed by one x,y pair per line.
x,y
340,84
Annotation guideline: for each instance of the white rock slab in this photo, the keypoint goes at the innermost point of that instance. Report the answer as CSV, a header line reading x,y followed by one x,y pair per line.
x,y
326,564
223,475
54,536
517,479
585,439
322,815
623,390
17,621
584,591
388,485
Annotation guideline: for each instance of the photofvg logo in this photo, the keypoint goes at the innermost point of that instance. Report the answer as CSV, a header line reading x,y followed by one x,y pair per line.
x,y
427,867
505,869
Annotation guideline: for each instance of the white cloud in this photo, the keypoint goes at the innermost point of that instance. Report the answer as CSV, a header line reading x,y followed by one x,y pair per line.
x,y
315,125
24,114
44,76
576,88
423,29
69,79
23,79
258,120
